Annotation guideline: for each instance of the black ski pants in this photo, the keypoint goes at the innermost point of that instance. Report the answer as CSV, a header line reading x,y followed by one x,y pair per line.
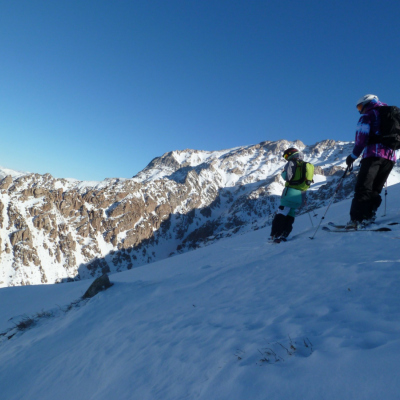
x,y
282,224
373,174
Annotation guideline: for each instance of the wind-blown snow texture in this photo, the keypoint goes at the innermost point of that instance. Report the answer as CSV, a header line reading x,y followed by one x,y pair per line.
x,y
239,319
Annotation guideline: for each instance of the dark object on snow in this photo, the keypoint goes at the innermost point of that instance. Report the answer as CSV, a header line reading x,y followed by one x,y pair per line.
x,y
101,283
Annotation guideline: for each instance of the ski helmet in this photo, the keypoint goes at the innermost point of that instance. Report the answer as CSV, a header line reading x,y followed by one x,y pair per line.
x,y
366,99
289,153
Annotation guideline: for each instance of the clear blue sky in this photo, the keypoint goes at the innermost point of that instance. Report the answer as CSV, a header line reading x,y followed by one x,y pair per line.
x,y
92,89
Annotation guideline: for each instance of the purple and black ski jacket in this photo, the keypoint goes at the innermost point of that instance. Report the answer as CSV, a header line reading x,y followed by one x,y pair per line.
x,y
368,124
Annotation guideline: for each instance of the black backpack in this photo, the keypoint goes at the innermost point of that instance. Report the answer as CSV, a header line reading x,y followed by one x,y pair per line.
x,y
389,128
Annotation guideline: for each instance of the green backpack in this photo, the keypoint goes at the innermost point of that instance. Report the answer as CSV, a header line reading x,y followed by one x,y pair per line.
x,y
303,176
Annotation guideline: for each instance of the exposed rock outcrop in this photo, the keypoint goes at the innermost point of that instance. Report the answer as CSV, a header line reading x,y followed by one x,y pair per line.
x,y
55,230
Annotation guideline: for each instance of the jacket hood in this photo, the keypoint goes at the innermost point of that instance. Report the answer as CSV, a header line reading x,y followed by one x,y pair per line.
x,y
372,104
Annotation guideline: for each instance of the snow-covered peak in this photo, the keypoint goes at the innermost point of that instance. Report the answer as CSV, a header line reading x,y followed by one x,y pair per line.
x,y
10,172
241,164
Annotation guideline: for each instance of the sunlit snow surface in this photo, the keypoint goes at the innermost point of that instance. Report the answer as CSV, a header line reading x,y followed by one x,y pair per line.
x,y
219,323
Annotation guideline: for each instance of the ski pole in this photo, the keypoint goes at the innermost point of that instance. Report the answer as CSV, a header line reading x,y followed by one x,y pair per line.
x,y
384,215
310,219
348,169
308,212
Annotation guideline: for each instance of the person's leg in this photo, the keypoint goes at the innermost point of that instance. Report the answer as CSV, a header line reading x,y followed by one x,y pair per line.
x,y
279,222
288,226
380,179
283,222
362,204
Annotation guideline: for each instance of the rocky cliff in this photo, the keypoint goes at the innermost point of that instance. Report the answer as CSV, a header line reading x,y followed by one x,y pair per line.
x,y
55,230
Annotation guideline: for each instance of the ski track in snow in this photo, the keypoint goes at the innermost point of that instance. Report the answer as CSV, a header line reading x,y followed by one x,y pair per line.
x,y
206,324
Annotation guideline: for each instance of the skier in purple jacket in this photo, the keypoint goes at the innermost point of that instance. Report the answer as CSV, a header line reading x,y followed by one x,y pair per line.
x,y
376,164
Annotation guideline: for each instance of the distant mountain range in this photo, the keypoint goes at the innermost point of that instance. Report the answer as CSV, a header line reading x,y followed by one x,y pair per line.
x,y
56,230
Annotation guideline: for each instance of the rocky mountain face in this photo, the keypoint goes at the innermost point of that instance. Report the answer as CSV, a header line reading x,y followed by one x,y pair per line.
x,y
55,230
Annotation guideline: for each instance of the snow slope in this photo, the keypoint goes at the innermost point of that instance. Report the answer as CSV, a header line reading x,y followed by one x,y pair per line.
x,y
219,323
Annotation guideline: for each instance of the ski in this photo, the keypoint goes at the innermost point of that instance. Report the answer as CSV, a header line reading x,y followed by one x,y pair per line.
x,y
334,229
337,226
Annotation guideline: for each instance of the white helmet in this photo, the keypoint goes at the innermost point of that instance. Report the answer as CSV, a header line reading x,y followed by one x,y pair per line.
x,y
366,99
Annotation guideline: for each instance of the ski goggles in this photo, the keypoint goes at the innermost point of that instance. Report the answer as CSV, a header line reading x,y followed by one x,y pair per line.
x,y
287,155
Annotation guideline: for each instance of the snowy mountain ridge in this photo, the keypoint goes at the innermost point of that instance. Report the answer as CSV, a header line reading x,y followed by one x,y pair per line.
x,y
54,230
241,164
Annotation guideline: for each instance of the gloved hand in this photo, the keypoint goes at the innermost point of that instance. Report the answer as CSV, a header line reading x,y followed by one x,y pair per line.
x,y
349,160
